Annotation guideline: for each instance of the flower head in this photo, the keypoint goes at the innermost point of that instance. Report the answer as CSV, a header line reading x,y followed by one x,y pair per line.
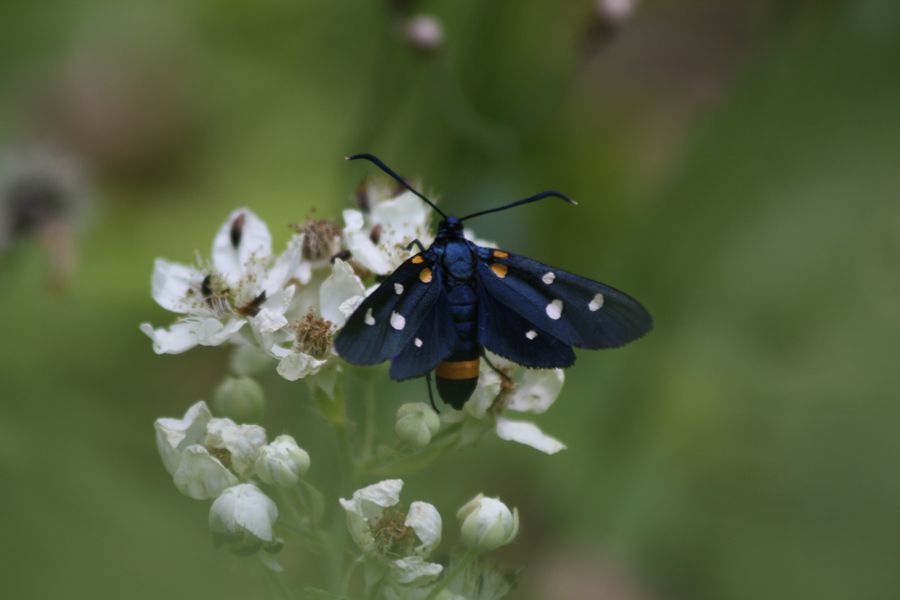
x,y
487,523
244,283
404,538
378,239
205,455
518,390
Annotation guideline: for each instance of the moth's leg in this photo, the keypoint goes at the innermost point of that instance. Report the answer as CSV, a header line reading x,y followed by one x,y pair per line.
x,y
496,370
430,394
416,243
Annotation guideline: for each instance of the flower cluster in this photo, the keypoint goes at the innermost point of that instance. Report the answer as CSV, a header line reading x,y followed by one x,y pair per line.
x,y
287,306
213,458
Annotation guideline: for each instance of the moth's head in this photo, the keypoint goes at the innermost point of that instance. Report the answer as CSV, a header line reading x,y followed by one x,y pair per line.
x,y
450,226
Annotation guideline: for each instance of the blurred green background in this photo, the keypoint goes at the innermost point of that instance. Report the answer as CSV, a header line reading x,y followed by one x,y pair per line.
x,y
736,165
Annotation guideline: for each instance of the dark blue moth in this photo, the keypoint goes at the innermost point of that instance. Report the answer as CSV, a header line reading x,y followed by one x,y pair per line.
x,y
442,307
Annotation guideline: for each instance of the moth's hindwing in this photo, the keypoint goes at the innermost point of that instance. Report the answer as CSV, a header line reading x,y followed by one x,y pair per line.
x,y
503,331
383,324
432,343
573,309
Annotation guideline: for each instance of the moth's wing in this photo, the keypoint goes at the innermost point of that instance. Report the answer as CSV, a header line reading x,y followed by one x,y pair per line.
x,y
505,332
432,343
575,310
389,318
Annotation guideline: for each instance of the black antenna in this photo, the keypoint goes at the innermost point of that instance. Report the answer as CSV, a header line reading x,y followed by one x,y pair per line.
x,y
377,161
535,198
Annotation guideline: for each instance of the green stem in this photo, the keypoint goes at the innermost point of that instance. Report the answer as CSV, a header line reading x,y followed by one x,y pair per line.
x,y
276,580
445,440
458,568
369,438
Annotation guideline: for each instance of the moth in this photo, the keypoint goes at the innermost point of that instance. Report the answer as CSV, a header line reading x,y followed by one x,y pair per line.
x,y
446,304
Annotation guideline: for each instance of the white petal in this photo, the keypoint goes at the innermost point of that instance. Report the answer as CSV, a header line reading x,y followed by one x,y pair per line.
x,y
537,390
425,520
414,571
178,338
401,218
296,365
243,508
486,392
174,435
366,253
201,476
243,443
341,287
285,266
255,241
529,434
170,284
353,220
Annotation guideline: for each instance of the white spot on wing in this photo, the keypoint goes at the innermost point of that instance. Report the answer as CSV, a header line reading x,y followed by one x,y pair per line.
x,y
548,277
418,343
369,319
398,321
554,309
596,303
531,334
398,288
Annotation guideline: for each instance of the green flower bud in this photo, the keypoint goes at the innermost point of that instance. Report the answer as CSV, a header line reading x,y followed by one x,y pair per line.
x,y
239,398
282,462
415,424
487,523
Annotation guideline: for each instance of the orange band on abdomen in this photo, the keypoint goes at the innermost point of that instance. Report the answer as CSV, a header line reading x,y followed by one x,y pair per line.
x,y
461,369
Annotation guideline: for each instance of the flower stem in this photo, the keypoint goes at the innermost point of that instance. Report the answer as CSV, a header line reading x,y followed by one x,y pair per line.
x,y
458,568
371,413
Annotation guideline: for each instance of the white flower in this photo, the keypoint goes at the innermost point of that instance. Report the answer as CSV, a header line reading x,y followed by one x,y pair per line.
x,y
174,435
377,240
243,284
380,528
533,391
200,475
205,454
415,423
242,517
241,442
312,346
487,523
282,462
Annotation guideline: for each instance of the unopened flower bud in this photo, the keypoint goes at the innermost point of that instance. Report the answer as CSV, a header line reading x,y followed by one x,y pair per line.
x,y
415,424
239,398
424,33
248,359
242,518
282,462
487,523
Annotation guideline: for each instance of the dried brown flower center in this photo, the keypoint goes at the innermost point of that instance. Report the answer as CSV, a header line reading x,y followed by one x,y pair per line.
x,y
313,335
393,538
319,238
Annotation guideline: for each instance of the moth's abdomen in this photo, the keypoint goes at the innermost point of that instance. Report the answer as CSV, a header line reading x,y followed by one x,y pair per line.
x,y
457,376
457,379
